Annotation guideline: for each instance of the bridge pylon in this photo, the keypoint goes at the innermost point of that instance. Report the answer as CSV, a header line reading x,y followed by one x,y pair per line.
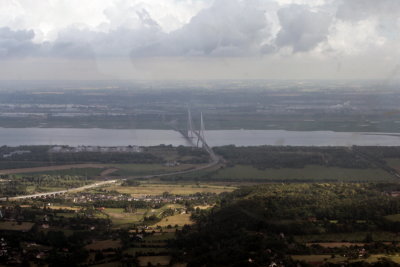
x,y
190,130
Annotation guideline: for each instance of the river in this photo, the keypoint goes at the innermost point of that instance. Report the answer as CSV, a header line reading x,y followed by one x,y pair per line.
x,y
142,137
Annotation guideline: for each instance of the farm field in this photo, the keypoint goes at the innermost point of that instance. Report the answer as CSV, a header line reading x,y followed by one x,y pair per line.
x,y
154,260
14,226
394,163
104,244
308,173
378,236
84,172
338,259
179,219
96,169
177,189
120,218
393,217
147,169
81,168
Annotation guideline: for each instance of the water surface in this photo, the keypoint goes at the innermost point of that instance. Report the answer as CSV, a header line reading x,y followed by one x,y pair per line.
x,y
143,137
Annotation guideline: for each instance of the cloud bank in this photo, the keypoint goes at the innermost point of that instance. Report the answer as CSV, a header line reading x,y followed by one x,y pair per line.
x,y
213,29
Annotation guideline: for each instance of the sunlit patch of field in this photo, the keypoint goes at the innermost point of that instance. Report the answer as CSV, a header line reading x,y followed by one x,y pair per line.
x,y
119,217
177,189
203,207
62,207
375,257
179,219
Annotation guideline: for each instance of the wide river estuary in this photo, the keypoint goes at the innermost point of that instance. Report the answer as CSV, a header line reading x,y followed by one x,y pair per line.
x,y
123,137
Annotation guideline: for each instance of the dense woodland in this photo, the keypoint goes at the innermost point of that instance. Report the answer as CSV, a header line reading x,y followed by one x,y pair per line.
x,y
40,156
263,157
259,222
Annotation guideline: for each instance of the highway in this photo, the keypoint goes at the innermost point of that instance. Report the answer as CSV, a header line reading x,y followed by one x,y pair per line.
x,y
60,192
214,162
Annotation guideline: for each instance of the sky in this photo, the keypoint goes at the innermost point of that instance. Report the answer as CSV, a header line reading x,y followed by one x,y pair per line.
x,y
199,39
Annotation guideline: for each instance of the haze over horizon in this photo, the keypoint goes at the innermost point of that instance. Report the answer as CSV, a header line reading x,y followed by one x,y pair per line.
x,y
199,39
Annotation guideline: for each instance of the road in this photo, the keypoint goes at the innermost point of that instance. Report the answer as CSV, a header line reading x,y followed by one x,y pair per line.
x,y
215,161
60,192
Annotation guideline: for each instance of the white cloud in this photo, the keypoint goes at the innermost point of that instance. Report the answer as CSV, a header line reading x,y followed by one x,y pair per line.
x,y
355,37
301,28
227,28
297,31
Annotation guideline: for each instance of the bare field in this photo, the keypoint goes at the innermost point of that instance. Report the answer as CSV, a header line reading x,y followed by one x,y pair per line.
x,y
177,189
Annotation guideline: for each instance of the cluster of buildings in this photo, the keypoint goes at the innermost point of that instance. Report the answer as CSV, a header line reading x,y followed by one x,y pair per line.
x,y
88,197
17,152
93,197
78,149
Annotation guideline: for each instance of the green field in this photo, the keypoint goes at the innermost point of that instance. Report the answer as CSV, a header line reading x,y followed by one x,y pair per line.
x,y
308,173
179,219
90,172
14,226
348,237
393,162
120,218
393,217
123,170
147,169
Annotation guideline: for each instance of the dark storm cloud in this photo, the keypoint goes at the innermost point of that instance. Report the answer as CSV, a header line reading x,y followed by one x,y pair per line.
x,y
17,43
301,28
228,28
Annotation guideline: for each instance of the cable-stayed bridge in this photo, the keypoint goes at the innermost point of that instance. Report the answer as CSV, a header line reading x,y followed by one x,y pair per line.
x,y
191,135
